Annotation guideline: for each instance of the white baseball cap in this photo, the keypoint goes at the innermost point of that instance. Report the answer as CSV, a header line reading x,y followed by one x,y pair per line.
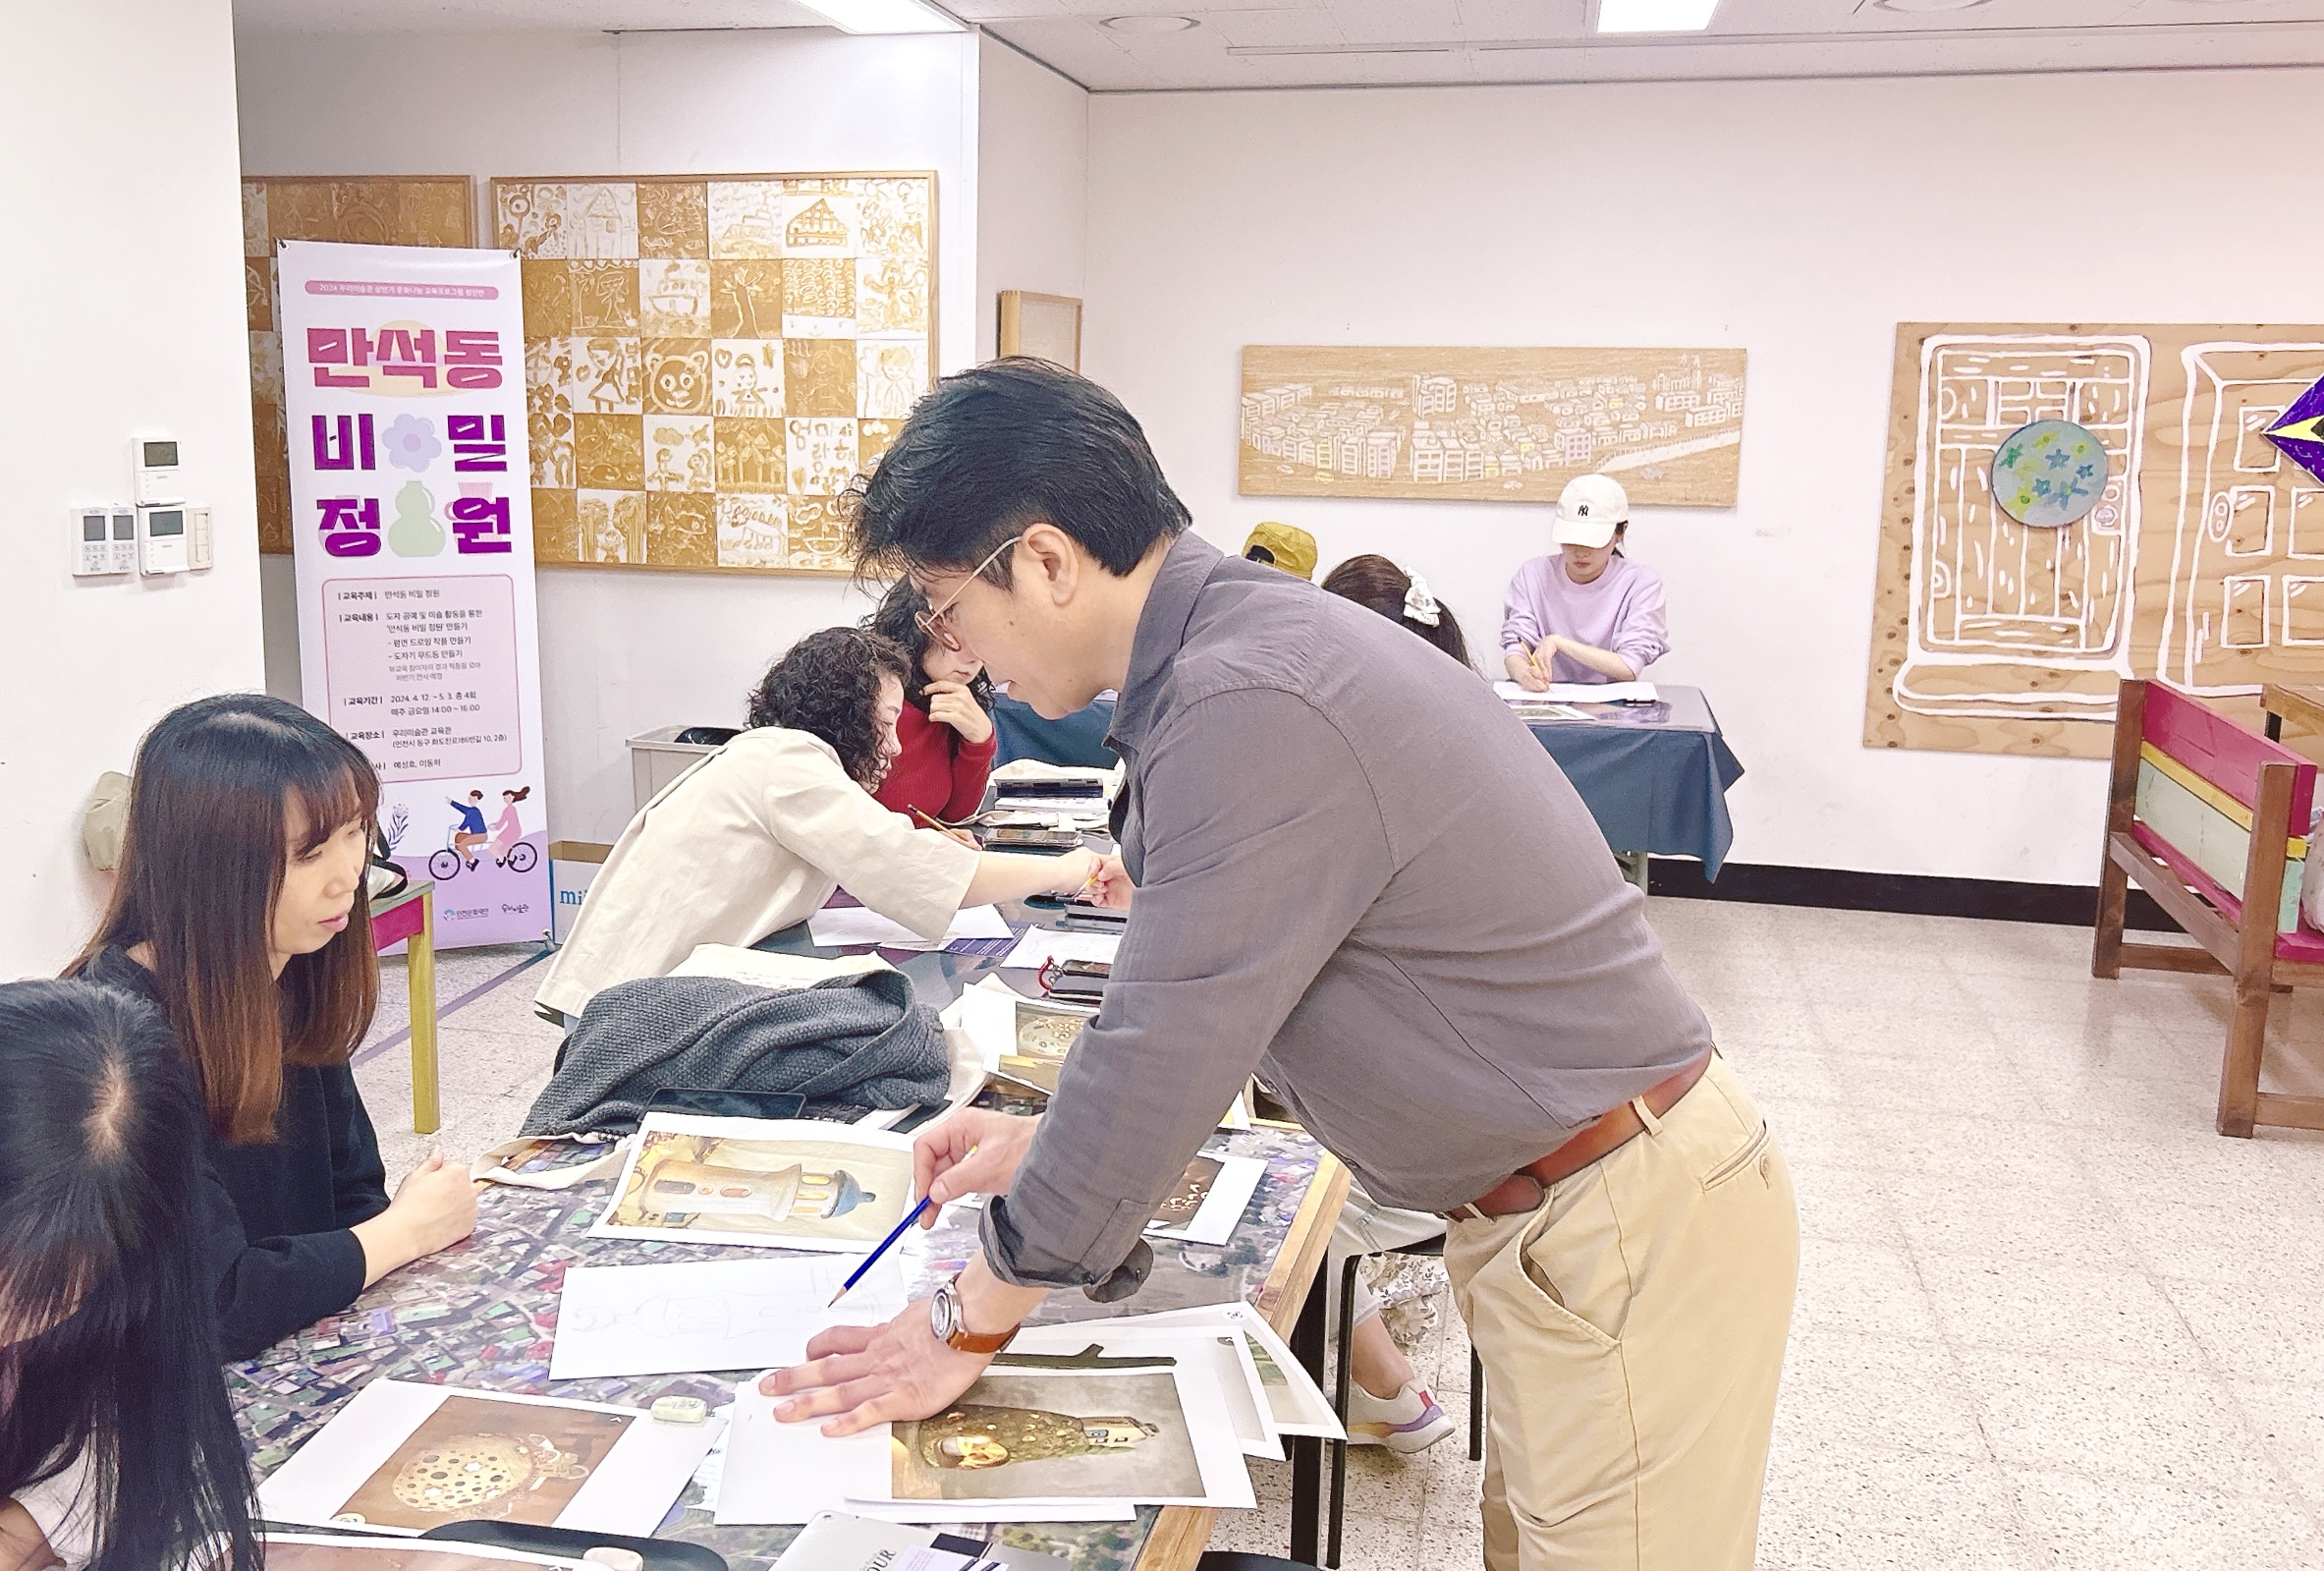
x,y
1589,509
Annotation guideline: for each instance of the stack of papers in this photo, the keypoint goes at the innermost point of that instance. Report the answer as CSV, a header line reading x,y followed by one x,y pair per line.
x,y
1075,1422
1581,693
835,927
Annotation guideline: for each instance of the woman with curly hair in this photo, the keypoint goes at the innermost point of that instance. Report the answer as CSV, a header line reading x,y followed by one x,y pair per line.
x,y
945,736
757,835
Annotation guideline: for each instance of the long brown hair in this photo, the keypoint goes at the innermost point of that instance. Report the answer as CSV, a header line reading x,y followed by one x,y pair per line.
x,y
209,813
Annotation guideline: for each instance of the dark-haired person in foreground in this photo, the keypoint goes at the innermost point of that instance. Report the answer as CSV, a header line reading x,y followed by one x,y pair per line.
x,y
118,1451
757,835
239,913
1359,874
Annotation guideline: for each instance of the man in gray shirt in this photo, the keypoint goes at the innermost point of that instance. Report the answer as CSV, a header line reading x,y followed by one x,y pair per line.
x,y
1358,874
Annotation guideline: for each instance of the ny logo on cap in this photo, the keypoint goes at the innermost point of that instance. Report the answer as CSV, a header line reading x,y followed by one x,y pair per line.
x,y
1582,511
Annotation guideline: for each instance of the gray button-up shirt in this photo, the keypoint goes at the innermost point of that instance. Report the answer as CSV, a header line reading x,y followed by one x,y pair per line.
x,y
1359,875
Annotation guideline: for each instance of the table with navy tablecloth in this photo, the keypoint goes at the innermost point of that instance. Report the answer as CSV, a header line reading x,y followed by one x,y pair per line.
x,y
1654,775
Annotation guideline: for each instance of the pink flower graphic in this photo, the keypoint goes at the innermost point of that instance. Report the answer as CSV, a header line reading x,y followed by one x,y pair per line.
x,y
412,444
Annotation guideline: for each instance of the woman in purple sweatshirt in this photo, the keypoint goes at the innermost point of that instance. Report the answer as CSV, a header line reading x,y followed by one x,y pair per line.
x,y
1589,613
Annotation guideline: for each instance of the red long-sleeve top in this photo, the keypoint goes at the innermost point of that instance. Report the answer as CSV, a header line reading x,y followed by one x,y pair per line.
x,y
937,772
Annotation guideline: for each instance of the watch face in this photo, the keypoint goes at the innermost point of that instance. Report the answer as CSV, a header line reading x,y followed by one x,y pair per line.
x,y
944,1313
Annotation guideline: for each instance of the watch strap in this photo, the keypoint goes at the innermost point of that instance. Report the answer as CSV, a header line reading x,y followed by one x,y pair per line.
x,y
959,1338
963,1340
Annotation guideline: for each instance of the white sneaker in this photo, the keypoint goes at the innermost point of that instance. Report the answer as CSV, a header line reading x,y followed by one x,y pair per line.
x,y
1408,1422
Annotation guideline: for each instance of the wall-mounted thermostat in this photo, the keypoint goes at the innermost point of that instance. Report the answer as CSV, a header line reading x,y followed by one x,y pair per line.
x,y
104,541
161,541
154,459
93,541
125,539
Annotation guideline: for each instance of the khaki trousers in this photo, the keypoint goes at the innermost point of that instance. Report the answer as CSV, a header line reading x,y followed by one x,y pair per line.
x,y
1633,1334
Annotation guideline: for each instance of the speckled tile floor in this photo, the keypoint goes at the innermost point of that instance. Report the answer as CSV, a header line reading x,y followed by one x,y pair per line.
x,y
2046,1319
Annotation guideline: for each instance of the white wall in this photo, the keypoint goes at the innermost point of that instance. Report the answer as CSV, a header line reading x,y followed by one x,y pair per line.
x,y
1799,220
625,652
1032,183
117,133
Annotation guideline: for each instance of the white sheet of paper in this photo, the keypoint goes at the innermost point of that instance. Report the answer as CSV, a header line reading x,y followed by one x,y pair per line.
x,y
943,1513
628,1491
1221,1351
1299,1405
783,1474
835,925
1040,946
1230,1194
1581,693
711,1316
759,1179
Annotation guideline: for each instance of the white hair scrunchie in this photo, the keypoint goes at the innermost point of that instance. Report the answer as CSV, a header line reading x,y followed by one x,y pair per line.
x,y
1420,605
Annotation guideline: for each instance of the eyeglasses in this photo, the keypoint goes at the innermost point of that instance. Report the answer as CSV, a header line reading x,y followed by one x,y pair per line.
x,y
932,622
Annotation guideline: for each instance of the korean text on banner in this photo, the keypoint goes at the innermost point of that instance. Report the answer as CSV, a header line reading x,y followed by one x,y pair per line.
x,y
412,521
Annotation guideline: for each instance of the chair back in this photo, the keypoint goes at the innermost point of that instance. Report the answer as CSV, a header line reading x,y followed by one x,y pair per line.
x,y
2198,786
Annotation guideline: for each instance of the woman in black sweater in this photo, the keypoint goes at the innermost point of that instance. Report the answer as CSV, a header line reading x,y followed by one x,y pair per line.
x,y
239,913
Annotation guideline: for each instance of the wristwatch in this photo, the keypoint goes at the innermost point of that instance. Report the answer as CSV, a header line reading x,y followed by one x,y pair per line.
x,y
949,1320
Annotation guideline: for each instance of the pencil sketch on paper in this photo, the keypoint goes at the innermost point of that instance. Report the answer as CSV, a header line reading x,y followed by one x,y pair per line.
x,y
1491,424
681,1317
2202,562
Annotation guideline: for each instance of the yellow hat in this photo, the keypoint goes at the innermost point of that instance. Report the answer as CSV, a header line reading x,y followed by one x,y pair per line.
x,y
1291,550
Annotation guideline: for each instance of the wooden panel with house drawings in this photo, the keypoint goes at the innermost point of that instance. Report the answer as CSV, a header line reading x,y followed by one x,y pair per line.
x,y
1491,424
708,362
2202,563
373,210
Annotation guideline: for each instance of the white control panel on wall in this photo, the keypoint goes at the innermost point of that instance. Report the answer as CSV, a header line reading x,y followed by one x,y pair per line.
x,y
93,541
104,540
156,534
162,542
154,461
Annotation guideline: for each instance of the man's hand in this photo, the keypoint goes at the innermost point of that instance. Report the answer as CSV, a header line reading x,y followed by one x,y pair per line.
x,y
954,705
1110,885
973,1152
868,1375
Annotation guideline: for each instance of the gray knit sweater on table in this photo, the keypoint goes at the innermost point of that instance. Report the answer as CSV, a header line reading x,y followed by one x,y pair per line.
x,y
858,1040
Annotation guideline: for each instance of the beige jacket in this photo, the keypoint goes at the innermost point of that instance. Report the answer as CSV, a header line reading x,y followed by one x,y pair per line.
x,y
752,839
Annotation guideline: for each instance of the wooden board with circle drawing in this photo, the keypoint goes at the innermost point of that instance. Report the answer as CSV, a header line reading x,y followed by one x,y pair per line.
x,y
2202,563
710,361
1490,424
366,210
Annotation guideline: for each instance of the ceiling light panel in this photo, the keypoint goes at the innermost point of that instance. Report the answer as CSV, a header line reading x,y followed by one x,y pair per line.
x,y
1656,16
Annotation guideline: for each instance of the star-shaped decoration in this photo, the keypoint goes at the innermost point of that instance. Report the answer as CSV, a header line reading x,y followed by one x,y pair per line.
x,y
2300,433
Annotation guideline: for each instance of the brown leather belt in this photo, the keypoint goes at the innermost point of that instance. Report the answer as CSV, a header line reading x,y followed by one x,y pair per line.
x,y
1523,1190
